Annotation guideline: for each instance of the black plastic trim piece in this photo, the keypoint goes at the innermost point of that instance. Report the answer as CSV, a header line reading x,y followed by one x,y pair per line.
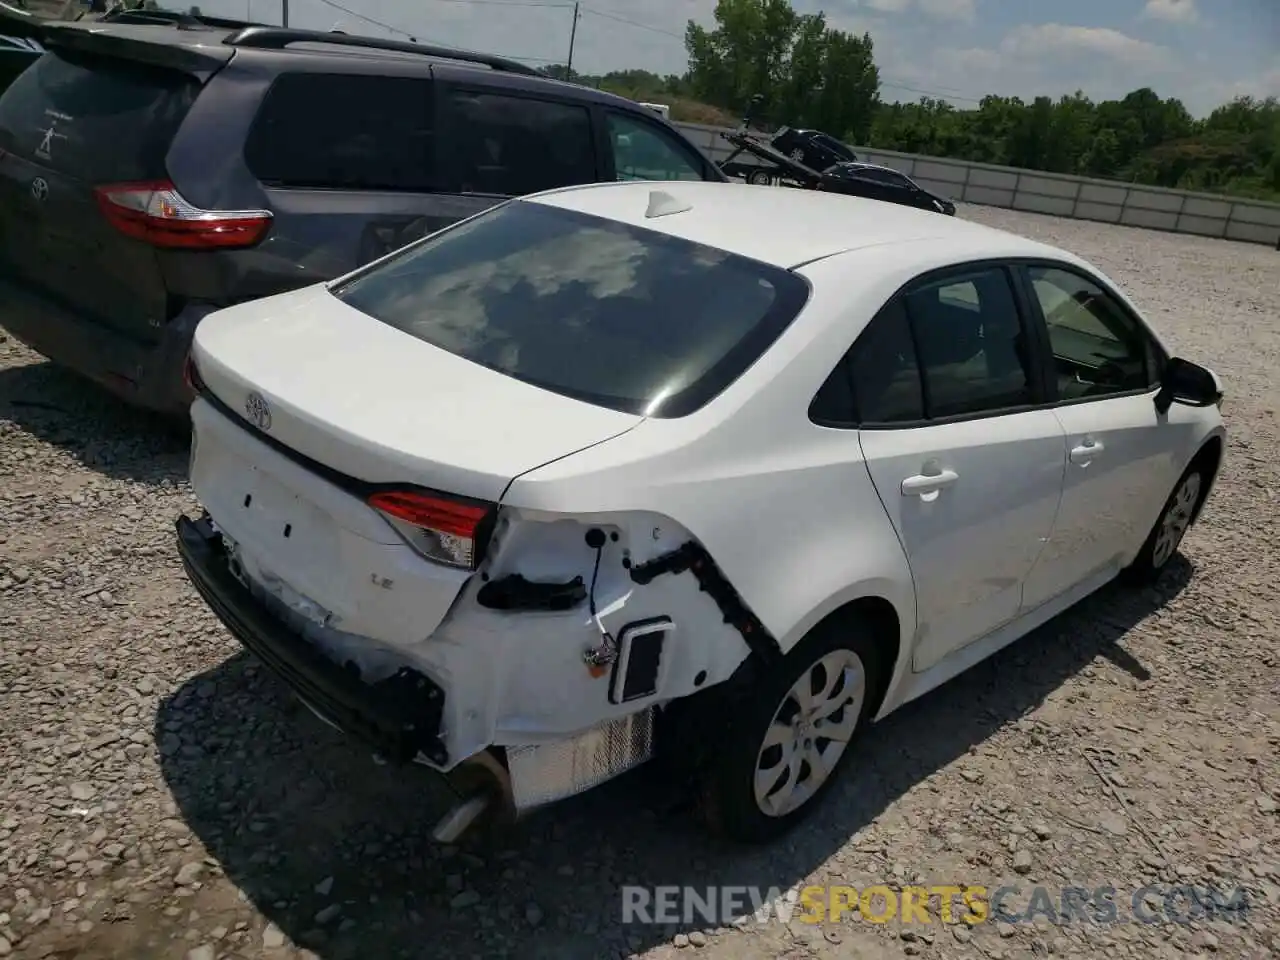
x,y
692,557
398,717
514,592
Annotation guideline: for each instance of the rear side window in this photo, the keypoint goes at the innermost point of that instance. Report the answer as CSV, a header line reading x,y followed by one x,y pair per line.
x,y
608,313
511,146
345,132
102,120
894,179
886,371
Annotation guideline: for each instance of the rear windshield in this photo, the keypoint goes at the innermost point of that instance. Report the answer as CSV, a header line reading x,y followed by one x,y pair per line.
x,y
834,145
101,120
611,314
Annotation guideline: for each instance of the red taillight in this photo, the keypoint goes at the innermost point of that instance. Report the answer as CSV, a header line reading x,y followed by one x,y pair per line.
x,y
439,528
155,213
191,375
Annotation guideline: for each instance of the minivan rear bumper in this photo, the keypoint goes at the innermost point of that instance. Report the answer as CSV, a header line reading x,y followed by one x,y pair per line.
x,y
398,717
147,375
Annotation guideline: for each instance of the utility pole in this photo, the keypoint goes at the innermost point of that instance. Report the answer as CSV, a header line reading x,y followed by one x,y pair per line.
x,y
284,13
573,35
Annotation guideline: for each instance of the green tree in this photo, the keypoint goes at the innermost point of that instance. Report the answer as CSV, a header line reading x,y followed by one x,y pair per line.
x,y
804,72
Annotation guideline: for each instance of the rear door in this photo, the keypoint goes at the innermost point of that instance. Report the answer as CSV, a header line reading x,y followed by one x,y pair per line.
x,y
968,469
74,122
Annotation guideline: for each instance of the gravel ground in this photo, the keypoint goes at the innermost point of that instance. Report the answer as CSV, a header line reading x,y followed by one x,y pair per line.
x,y
161,796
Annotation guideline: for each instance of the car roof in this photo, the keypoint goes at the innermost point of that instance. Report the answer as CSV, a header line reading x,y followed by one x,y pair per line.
x,y
785,227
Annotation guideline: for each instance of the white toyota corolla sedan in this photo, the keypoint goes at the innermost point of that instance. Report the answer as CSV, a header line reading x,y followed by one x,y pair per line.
x,y
701,471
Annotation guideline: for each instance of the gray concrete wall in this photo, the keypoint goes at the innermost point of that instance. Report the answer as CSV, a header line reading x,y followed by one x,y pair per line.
x,y
1081,198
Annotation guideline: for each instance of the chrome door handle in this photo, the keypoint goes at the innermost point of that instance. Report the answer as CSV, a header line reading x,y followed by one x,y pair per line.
x,y
924,483
1086,451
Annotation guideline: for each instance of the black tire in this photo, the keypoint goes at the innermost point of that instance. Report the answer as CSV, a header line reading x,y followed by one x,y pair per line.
x,y
727,791
1156,552
759,178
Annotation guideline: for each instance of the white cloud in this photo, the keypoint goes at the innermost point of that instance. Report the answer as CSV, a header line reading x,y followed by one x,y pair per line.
x,y
963,10
1265,83
942,9
1174,11
1063,40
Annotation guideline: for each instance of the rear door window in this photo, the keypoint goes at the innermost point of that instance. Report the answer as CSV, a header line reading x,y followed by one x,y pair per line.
x,y
511,145
97,119
345,132
972,347
605,312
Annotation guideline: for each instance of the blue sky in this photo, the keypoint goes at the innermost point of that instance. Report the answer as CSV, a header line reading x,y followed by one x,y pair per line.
x,y
1204,51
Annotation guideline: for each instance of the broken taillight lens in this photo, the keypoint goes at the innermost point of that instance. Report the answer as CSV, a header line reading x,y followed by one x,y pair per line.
x,y
442,529
156,213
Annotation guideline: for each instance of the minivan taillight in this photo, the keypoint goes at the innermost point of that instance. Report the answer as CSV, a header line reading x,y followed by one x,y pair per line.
x,y
191,375
156,213
440,528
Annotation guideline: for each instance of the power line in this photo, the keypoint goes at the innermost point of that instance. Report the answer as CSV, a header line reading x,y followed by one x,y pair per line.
x,y
366,19
513,3
414,37
936,94
951,94
631,23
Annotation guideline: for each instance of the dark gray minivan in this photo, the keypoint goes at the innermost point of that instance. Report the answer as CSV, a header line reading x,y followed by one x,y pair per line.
x,y
151,174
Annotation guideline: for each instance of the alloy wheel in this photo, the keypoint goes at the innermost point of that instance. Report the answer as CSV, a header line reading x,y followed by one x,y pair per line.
x,y
1176,520
809,732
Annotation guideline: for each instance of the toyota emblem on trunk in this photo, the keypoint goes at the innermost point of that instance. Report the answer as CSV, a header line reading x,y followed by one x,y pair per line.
x,y
258,410
39,189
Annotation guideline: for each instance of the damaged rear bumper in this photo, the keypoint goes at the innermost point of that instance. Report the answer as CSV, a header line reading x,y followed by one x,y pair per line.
x,y
399,717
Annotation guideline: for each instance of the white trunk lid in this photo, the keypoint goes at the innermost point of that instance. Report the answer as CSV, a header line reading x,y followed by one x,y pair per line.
x,y
378,405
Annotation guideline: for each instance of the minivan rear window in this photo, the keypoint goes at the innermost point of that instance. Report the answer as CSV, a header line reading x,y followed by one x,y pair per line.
x,y
605,312
98,119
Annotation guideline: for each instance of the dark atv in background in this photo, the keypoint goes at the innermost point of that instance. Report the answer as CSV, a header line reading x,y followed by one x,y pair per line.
x,y
815,149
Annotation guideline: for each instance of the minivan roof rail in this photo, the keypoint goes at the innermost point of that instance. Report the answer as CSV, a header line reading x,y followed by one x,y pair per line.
x,y
277,38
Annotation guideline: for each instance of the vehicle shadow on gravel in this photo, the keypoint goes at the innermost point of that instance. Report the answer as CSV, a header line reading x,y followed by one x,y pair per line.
x,y
335,850
98,429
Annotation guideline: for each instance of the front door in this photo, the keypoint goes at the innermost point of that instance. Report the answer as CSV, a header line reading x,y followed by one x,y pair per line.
x,y
968,471
1121,456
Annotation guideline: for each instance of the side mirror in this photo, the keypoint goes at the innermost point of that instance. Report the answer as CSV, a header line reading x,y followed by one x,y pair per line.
x,y
1187,383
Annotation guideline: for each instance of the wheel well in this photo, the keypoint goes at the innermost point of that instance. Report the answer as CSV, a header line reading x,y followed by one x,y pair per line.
x,y
1210,458
886,631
